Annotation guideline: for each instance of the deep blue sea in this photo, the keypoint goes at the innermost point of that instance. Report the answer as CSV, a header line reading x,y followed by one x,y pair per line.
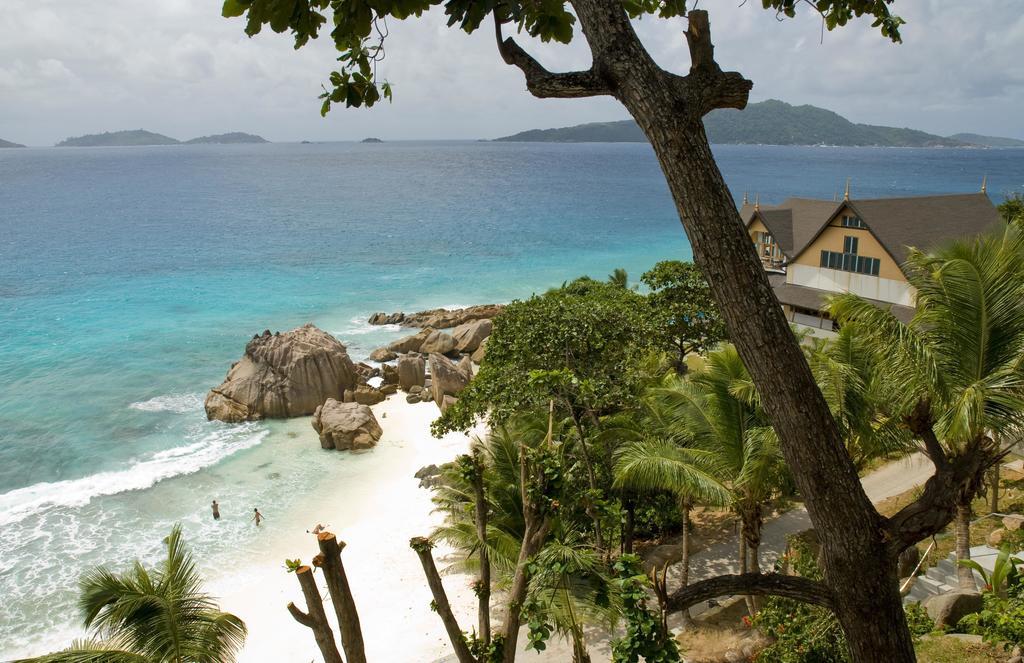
x,y
131,278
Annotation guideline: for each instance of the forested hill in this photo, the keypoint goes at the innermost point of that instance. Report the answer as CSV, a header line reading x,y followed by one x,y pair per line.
x,y
990,141
769,122
231,138
137,137
119,139
7,143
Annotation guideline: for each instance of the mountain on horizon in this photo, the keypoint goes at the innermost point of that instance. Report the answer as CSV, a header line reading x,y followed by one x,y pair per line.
x,y
139,137
770,122
230,138
989,141
7,143
119,139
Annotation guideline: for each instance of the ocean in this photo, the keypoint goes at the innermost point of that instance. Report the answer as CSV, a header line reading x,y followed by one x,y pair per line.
x,y
131,278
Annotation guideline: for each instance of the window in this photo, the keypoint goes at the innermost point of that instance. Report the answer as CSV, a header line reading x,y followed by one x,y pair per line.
x,y
850,262
852,222
850,245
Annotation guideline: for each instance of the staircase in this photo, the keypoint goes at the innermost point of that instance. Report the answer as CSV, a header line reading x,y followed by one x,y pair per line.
x,y
941,578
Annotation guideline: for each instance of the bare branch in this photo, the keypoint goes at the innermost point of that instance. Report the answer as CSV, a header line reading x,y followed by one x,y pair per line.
x,y
707,86
759,584
545,84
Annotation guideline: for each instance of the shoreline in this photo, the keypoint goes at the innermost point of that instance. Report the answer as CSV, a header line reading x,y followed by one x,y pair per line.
x,y
375,516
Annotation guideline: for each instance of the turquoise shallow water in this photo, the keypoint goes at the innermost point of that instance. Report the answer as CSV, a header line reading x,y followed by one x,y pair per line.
x,y
131,278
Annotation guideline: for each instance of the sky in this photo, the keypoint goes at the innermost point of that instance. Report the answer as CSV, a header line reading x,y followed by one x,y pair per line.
x,y
69,67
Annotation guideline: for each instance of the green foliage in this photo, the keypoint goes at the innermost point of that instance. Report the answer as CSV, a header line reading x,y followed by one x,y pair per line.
x,y
960,354
1004,573
292,565
656,515
486,652
918,620
359,28
1000,621
646,636
802,633
153,615
684,309
1012,209
850,377
579,345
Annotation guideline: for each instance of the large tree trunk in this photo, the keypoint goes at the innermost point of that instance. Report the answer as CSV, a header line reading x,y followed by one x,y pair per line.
x,y
329,560
860,566
315,619
579,646
422,546
483,590
684,578
629,529
993,489
963,547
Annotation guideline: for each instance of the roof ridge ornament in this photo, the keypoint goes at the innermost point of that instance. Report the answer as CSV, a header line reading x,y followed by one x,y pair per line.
x,y
757,202
746,198
984,183
846,194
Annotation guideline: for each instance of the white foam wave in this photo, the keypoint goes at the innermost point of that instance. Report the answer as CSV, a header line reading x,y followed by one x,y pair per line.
x,y
16,505
177,403
360,327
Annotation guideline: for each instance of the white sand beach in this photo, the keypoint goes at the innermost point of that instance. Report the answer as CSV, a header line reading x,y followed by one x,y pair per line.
x,y
375,508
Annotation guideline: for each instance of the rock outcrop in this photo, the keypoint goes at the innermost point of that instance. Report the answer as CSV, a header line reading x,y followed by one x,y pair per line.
x,y
438,318
346,426
411,372
439,342
470,335
410,343
364,395
949,608
382,355
283,375
445,378
381,318
478,354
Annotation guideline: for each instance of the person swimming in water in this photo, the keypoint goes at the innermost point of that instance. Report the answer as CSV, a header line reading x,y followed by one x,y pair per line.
x,y
257,517
216,510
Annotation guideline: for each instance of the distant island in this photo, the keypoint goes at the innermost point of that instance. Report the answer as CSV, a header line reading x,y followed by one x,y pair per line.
x,y
232,138
137,137
770,122
7,143
988,141
119,139
371,140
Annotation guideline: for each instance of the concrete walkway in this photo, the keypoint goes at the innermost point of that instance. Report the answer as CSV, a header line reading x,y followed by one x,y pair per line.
x,y
887,481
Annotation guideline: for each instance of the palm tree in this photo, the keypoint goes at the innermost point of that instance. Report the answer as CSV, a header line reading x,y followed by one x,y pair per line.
x,y
956,370
715,440
152,616
619,277
656,458
570,588
849,377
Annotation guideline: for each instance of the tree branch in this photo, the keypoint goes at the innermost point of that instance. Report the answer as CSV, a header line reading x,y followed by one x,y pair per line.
x,y
545,84
774,584
707,86
920,423
957,482
300,616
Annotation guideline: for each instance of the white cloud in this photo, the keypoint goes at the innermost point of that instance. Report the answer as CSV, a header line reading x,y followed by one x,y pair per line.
x,y
174,66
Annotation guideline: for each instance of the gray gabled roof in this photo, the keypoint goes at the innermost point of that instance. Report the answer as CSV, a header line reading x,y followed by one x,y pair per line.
x,y
923,222
793,223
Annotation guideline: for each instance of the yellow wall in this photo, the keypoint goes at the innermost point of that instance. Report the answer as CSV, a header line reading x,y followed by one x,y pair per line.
x,y
831,239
